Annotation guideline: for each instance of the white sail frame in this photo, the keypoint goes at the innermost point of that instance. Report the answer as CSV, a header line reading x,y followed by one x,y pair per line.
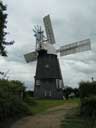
x,y
76,47
48,29
32,56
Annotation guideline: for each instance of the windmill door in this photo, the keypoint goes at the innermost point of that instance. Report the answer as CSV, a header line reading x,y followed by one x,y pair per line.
x,y
48,94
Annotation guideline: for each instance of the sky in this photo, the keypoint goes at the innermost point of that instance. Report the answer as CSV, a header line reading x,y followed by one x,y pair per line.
x,y
72,20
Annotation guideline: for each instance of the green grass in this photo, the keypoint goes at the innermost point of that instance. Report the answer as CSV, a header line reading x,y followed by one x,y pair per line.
x,y
74,120
73,101
43,105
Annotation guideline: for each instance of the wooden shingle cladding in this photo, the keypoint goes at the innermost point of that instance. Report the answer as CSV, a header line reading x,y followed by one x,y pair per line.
x,y
47,66
48,89
48,78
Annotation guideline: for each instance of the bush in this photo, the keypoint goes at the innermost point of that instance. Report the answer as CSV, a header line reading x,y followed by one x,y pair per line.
x,y
19,108
88,98
10,88
12,108
11,99
29,93
88,107
87,89
30,101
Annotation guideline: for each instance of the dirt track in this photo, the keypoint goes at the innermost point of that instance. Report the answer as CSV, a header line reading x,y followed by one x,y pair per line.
x,y
50,119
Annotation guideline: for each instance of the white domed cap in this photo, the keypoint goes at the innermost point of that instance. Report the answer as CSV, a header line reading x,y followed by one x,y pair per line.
x,y
49,47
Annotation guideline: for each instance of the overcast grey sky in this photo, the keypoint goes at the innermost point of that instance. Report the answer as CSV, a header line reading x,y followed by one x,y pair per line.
x,y
72,20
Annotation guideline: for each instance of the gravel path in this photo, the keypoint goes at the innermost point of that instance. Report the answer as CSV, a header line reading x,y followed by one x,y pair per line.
x,y
50,119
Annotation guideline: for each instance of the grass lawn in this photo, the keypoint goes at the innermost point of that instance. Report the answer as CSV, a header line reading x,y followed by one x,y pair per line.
x,y
73,120
43,105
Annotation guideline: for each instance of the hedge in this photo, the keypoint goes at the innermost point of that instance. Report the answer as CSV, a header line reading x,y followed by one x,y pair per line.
x,y
11,99
88,98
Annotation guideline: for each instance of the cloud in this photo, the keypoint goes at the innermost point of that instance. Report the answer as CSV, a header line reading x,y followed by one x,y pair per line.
x,y
72,21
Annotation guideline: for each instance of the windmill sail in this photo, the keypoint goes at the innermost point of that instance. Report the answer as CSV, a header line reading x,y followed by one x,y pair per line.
x,y
76,47
32,56
48,29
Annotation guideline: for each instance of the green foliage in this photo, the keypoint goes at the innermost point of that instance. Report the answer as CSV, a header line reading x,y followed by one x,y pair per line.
x,y
17,87
88,106
87,89
10,88
11,99
69,90
88,98
74,120
30,101
3,26
12,107
76,92
28,98
29,93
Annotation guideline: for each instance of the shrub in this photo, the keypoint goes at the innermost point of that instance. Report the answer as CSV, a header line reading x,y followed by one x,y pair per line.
x,y
11,99
88,106
20,108
29,93
12,108
88,98
87,89
30,101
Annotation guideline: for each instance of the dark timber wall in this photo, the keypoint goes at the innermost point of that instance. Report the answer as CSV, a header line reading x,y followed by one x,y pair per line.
x,y
48,78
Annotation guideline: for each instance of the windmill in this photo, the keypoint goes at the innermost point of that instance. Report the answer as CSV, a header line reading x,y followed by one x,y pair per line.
x,y
48,77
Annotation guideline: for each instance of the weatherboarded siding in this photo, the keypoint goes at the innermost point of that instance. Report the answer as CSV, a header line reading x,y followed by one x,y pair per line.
x,y
48,66
48,89
47,73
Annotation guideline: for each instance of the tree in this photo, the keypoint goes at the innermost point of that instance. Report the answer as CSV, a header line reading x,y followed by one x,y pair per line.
x,y
67,91
76,92
3,26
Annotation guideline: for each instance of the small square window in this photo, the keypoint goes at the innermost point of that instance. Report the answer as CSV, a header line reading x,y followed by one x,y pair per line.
x,y
58,83
46,66
37,82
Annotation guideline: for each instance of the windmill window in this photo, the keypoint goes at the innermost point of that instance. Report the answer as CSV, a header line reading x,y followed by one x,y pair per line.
x,y
45,93
50,93
58,83
37,82
46,66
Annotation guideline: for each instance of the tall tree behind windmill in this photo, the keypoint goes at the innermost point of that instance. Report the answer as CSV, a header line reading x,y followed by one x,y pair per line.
x,y
3,33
